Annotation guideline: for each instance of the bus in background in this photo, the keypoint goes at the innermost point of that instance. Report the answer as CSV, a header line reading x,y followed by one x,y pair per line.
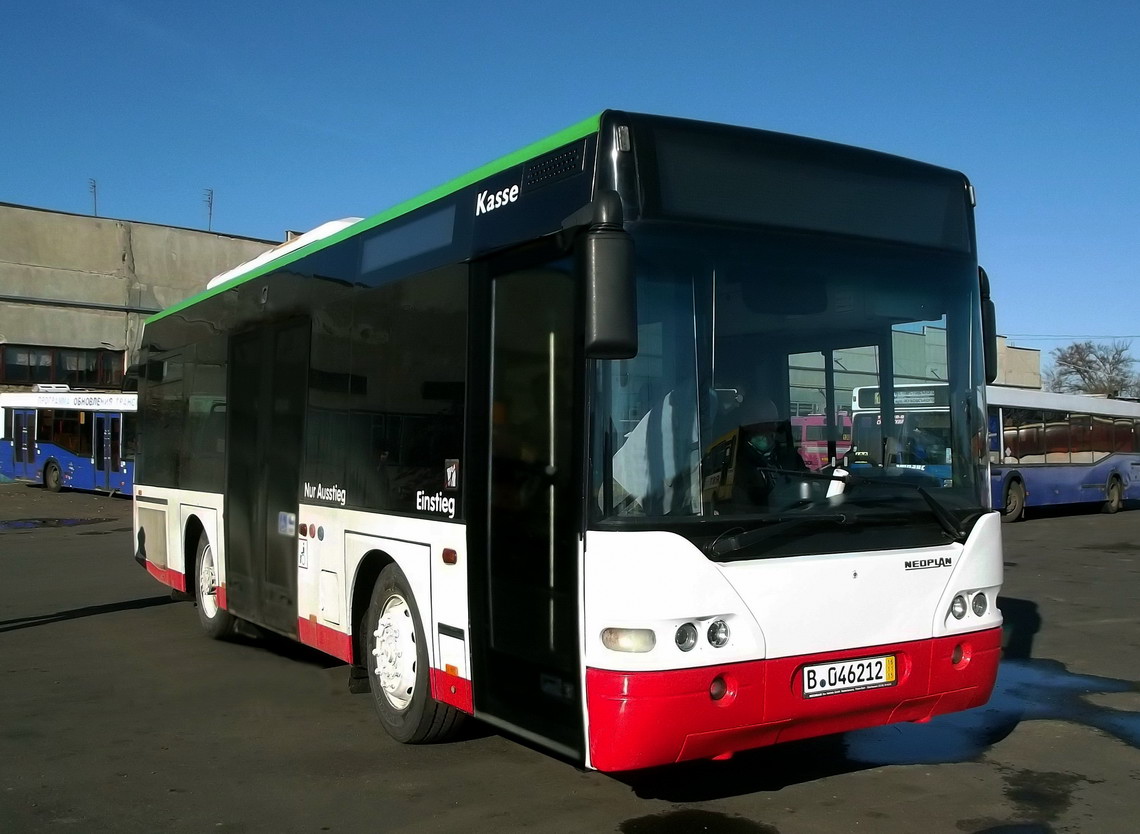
x,y
1048,449
810,433
60,437
921,441
460,445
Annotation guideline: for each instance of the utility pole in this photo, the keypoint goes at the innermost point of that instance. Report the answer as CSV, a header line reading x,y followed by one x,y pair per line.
x,y
208,196
93,187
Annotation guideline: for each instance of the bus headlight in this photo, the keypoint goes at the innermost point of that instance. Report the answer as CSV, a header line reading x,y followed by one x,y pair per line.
x,y
629,639
686,637
980,604
718,634
958,607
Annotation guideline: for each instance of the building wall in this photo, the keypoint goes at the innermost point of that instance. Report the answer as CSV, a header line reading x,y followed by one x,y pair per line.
x,y
73,281
1018,367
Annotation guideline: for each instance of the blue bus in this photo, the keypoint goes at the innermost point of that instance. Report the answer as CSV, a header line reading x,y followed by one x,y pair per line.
x,y
1048,449
64,438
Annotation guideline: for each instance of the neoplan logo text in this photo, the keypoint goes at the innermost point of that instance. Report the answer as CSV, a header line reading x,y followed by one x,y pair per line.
x,y
924,564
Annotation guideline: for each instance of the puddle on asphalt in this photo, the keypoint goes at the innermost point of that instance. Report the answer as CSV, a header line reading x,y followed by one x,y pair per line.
x,y
39,523
1026,690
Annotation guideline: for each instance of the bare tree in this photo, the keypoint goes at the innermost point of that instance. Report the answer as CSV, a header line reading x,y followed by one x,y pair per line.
x,y
1102,368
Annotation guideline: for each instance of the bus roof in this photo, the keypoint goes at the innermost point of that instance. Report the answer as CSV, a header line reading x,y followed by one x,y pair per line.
x,y
556,140
71,400
1000,395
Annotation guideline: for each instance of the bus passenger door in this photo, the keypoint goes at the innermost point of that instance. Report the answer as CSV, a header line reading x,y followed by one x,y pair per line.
x,y
266,403
101,450
108,451
24,444
524,572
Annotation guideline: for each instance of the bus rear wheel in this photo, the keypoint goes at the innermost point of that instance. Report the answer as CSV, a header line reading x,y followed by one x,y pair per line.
x,y
395,654
216,621
1014,502
53,479
1114,497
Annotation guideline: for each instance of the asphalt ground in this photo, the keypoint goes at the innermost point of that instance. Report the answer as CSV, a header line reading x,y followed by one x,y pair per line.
x,y
117,714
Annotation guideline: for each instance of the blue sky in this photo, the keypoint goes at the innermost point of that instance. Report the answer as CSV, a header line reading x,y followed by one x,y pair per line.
x,y
296,113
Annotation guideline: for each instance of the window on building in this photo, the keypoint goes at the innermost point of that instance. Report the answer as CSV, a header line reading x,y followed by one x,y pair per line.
x,y
77,367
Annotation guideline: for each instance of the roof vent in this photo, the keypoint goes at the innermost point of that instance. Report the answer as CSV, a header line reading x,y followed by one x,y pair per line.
x,y
554,166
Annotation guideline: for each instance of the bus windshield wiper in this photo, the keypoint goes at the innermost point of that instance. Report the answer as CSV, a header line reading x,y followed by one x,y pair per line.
x,y
776,523
945,520
943,515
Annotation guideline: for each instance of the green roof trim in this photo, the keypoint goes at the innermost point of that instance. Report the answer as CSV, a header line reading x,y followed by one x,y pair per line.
x,y
557,140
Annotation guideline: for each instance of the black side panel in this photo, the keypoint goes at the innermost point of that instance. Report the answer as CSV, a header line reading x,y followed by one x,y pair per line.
x,y
266,413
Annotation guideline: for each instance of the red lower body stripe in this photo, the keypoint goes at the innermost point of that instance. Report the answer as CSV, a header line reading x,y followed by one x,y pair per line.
x,y
328,640
453,690
643,719
167,576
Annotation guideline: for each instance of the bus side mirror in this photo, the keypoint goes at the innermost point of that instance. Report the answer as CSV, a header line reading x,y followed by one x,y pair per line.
x,y
989,328
611,295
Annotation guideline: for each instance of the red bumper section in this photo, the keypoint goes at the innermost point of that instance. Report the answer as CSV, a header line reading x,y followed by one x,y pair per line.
x,y
644,719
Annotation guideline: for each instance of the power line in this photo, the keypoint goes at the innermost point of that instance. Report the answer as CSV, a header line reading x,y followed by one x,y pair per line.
x,y
1048,336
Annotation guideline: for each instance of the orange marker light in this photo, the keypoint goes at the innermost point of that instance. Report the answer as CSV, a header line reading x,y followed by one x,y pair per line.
x,y
450,557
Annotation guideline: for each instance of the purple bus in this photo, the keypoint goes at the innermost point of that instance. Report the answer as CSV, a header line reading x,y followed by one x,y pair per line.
x,y
1048,449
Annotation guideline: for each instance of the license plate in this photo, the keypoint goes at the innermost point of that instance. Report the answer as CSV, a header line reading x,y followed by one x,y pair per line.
x,y
849,675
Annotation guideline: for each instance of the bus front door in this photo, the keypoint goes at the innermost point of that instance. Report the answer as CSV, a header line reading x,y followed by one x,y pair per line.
x,y
24,444
266,403
526,664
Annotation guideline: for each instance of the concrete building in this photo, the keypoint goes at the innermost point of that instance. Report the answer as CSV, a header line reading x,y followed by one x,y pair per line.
x,y
1018,367
75,290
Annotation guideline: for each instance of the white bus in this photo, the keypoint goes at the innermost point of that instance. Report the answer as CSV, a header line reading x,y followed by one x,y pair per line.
x,y
521,448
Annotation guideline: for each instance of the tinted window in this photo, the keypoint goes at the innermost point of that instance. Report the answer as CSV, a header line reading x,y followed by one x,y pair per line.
x,y
709,172
1057,439
204,440
327,436
162,420
406,391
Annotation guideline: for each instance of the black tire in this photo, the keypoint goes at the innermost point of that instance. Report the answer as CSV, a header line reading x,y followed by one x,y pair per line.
x,y
53,478
1114,496
1014,509
216,622
409,714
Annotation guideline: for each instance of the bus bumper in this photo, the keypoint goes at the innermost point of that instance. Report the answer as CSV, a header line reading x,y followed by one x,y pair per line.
x,y
643,719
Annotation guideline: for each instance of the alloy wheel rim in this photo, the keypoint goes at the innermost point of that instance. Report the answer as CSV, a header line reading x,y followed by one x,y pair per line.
x,y
394,652
207,583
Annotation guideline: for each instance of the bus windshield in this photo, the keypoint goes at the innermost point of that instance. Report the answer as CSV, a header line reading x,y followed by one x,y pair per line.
x,y
744,337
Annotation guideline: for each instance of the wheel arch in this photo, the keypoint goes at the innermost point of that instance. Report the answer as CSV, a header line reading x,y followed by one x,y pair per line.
x,y
193,531
1011,477
367,572
52,460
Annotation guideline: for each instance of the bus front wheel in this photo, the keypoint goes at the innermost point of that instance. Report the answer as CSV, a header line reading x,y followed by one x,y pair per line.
x,y
1114,496
1014,502
216,621
53,480
395,654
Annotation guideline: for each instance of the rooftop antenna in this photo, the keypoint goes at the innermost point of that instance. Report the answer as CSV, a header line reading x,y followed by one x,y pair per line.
x,y
93,187
208,197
